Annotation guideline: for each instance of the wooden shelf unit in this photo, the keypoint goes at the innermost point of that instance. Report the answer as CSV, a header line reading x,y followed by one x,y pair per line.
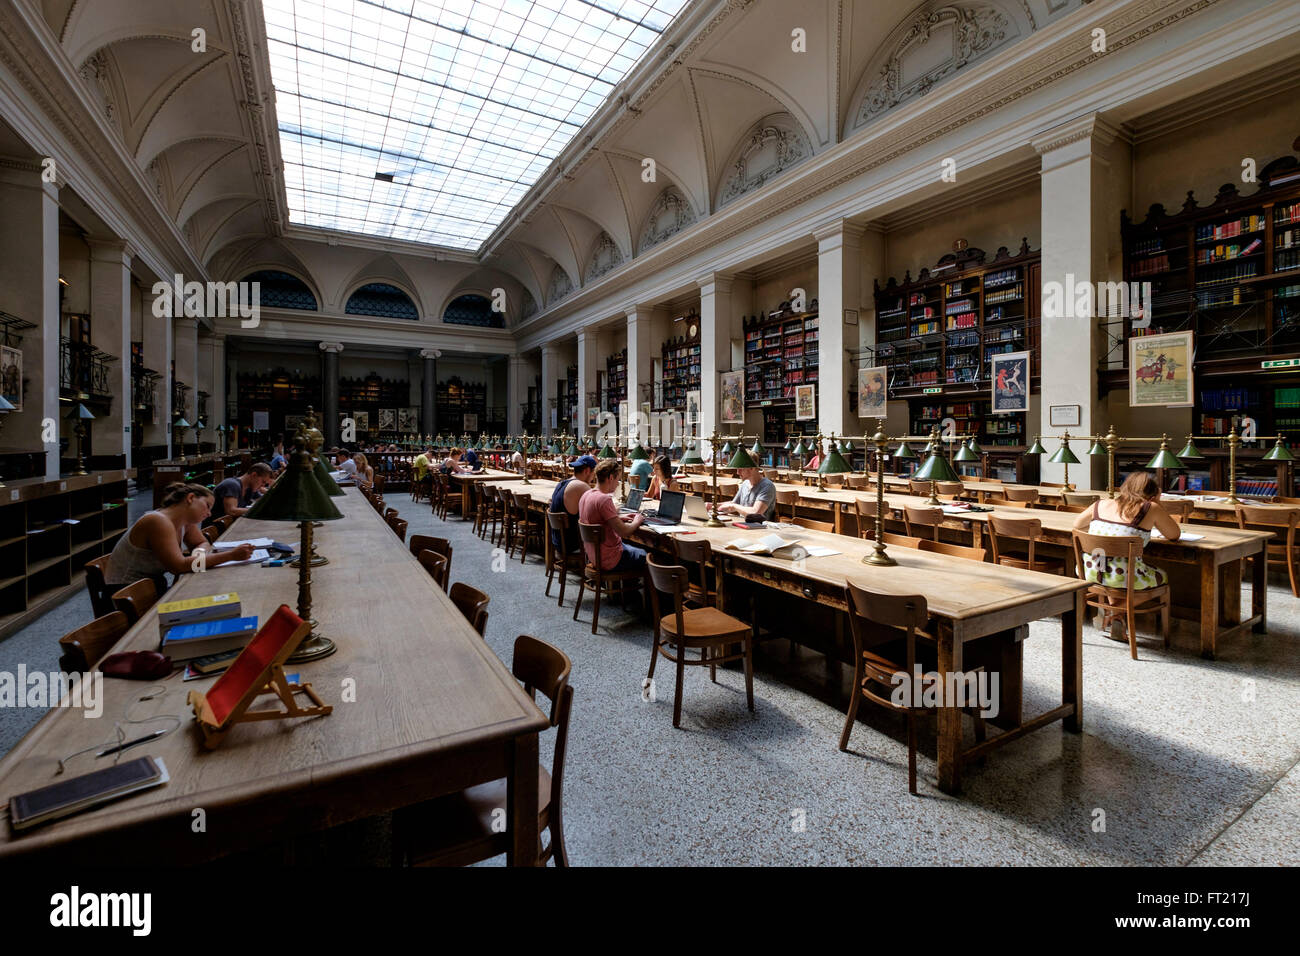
x,y
615,380
455,399
42,556
782,351
681,358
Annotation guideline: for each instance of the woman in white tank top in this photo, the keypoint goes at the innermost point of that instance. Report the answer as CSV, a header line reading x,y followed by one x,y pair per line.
x,y
1133,512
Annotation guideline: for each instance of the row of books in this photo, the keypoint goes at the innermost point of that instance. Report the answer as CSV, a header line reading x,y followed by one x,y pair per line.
x,y
204,626
1226,230
1006,295
1288,213
1147,246
1229,399
1257,487
1005,277
1224,253
1151,266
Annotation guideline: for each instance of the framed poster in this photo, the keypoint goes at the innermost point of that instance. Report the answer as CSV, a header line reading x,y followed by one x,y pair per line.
x,y
406,420
873,391
593,418
1160,369
362,421
733,398
623,425
692,408
1064,416
1010,382
387,419
11,376
805,402
471,421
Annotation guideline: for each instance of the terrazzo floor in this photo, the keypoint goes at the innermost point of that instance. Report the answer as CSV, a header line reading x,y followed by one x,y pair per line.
x,y
1182,760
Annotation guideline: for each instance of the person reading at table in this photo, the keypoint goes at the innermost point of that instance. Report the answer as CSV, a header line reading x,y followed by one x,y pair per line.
x,y
365,472
597,507
660,477
470,459
566,497
756,496
451,464
1133,512
234,496
155,543
345,463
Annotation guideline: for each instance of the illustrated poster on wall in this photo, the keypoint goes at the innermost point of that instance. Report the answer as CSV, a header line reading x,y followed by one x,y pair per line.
x,y
406,420
873,391
805,402
1011,382
387,419
733,398
1160,369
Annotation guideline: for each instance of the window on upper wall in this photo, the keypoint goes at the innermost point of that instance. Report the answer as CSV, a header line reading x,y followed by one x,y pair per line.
x,y
279,290
382,299
473,310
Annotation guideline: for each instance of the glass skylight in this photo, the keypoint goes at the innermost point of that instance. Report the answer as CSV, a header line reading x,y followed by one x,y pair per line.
x,y
429,119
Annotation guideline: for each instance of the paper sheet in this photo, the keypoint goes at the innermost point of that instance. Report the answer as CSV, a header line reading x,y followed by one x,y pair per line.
x,y
255,542
1185,536
259,555
816,552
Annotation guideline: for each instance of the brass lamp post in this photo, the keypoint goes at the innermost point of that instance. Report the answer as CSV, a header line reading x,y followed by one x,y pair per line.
x,y
82,415
832,463
714,521
935,469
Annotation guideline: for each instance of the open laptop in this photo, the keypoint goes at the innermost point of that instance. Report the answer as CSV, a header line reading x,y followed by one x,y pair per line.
x,y
696,507
669,510
633,502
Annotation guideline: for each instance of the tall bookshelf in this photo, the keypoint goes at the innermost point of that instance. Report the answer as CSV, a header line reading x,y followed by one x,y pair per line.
x,y
1229,272
455,399
782,350
681,358
615,380
569,397
937,335
279,393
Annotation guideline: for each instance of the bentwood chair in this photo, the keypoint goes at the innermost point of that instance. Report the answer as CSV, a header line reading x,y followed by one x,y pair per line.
x,y
695,555
136,598
84,647
953,550
101,594
436,565
463,828
1108,551
951,490
866,510
560,562
1079,499
595,575
1028,531
212,533
901,540
918,487
472,603
426,542
918,518
814,525
399,528
1275,553
704,628
785,504
877,619
223,524
1180,511
528,525
1023,497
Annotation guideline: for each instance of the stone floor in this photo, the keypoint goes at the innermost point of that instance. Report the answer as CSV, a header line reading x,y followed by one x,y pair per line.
x,y
1182,760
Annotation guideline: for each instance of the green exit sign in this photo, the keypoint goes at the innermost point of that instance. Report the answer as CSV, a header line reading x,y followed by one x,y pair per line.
x,y
1281,363
931,391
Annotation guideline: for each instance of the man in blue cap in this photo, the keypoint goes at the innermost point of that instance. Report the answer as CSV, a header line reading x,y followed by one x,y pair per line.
x,y
565,499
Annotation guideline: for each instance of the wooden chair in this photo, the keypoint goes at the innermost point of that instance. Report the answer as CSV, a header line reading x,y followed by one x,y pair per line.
x,y
472,603
866,510
1079,499
930,518
463,828
951,490
1021,496
599,578
390,514
101,594
695,554
84,647
876,618
559,562
490,512
858,482
436,565
425,542
915,487
705,628
1180,511
955,550
377,486
212,533
448,496
223,523
785,504
527,525
1112,602
1283,553
399,528
1028,530
135,599
813,525
902,540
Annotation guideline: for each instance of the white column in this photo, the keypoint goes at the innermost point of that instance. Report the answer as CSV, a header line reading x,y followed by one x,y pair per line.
x,y
157,339
640,325
29,289
212,379
839,287
516,394
110,307
587,348
185,346
715,348
1077,193
550,372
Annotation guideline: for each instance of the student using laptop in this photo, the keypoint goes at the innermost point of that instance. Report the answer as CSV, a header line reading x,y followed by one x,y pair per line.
x,y
660,477
597,507
755,498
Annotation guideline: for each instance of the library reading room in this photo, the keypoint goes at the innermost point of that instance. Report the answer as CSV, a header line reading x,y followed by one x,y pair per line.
x,y
611,433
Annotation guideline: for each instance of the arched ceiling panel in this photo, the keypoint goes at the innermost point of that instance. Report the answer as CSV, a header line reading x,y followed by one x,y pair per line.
x,y
93,24
582,229
597,193
201,107
641,196
219,223
187,163
147,72
669,132
548,233
230,176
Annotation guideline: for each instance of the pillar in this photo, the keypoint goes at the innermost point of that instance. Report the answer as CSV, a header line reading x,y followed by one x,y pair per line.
x,y
516,394
110,307
1080,178
588,345
212,379
839,287
715,349
429,391
641,322
29,289
157,338
329,375
550,375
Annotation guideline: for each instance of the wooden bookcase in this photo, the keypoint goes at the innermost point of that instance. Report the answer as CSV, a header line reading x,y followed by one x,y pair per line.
x,y
1229,272
782,351
937,335
569,398
455,399
615,380
681,358
48,531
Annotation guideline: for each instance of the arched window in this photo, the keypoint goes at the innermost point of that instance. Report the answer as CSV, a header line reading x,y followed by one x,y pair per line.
x,y
473,310
381,299
279,290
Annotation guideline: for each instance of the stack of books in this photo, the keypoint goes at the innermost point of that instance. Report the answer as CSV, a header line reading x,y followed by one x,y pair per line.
x,y
203,626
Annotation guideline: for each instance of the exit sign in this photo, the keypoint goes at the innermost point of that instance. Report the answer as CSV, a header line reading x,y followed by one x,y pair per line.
x,y
1281,363
931,391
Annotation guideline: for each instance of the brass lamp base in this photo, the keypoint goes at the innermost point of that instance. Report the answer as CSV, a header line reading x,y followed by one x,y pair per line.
x,y
714,522
313,649
880,559
317,561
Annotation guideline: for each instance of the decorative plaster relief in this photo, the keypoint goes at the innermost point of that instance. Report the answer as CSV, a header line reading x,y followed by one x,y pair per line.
x,y
670,214
773,145
559,286
604,257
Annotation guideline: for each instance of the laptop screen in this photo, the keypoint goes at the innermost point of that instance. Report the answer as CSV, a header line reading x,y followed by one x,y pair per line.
x,y
670,505
634,497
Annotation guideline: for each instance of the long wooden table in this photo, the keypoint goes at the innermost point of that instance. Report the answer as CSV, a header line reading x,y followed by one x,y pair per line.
x,y
990,600
435,711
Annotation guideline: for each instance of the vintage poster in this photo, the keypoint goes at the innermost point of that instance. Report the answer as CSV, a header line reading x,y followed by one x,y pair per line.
x,y
11,376
1010,382
362,421
1160,369
593,418
873,391
692,408
733,398
406,420
387,419
805,402
471,421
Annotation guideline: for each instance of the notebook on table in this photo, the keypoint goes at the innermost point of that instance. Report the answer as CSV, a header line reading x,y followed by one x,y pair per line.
x,y
669,510
88,790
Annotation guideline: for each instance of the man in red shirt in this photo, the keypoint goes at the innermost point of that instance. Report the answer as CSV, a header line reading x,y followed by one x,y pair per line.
x,y
596,506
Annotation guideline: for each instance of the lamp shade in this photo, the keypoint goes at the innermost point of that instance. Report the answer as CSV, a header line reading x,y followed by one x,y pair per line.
x,y
675,447
936,468
1063,455
572,449
965,454
799,450
1098,448
638,452
756,449
606,452
1279,452
727,450
181,423
297,495
789,443
1036,448
974,446
741,459
905,452
1164,459
1191,451
83,413
692,456
834,463
846,446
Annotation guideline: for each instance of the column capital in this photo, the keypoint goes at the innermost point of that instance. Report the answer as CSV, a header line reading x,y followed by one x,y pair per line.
x,y
714,282
1090,129
550,348
28,172
427,353
840,232
110,250
330,346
